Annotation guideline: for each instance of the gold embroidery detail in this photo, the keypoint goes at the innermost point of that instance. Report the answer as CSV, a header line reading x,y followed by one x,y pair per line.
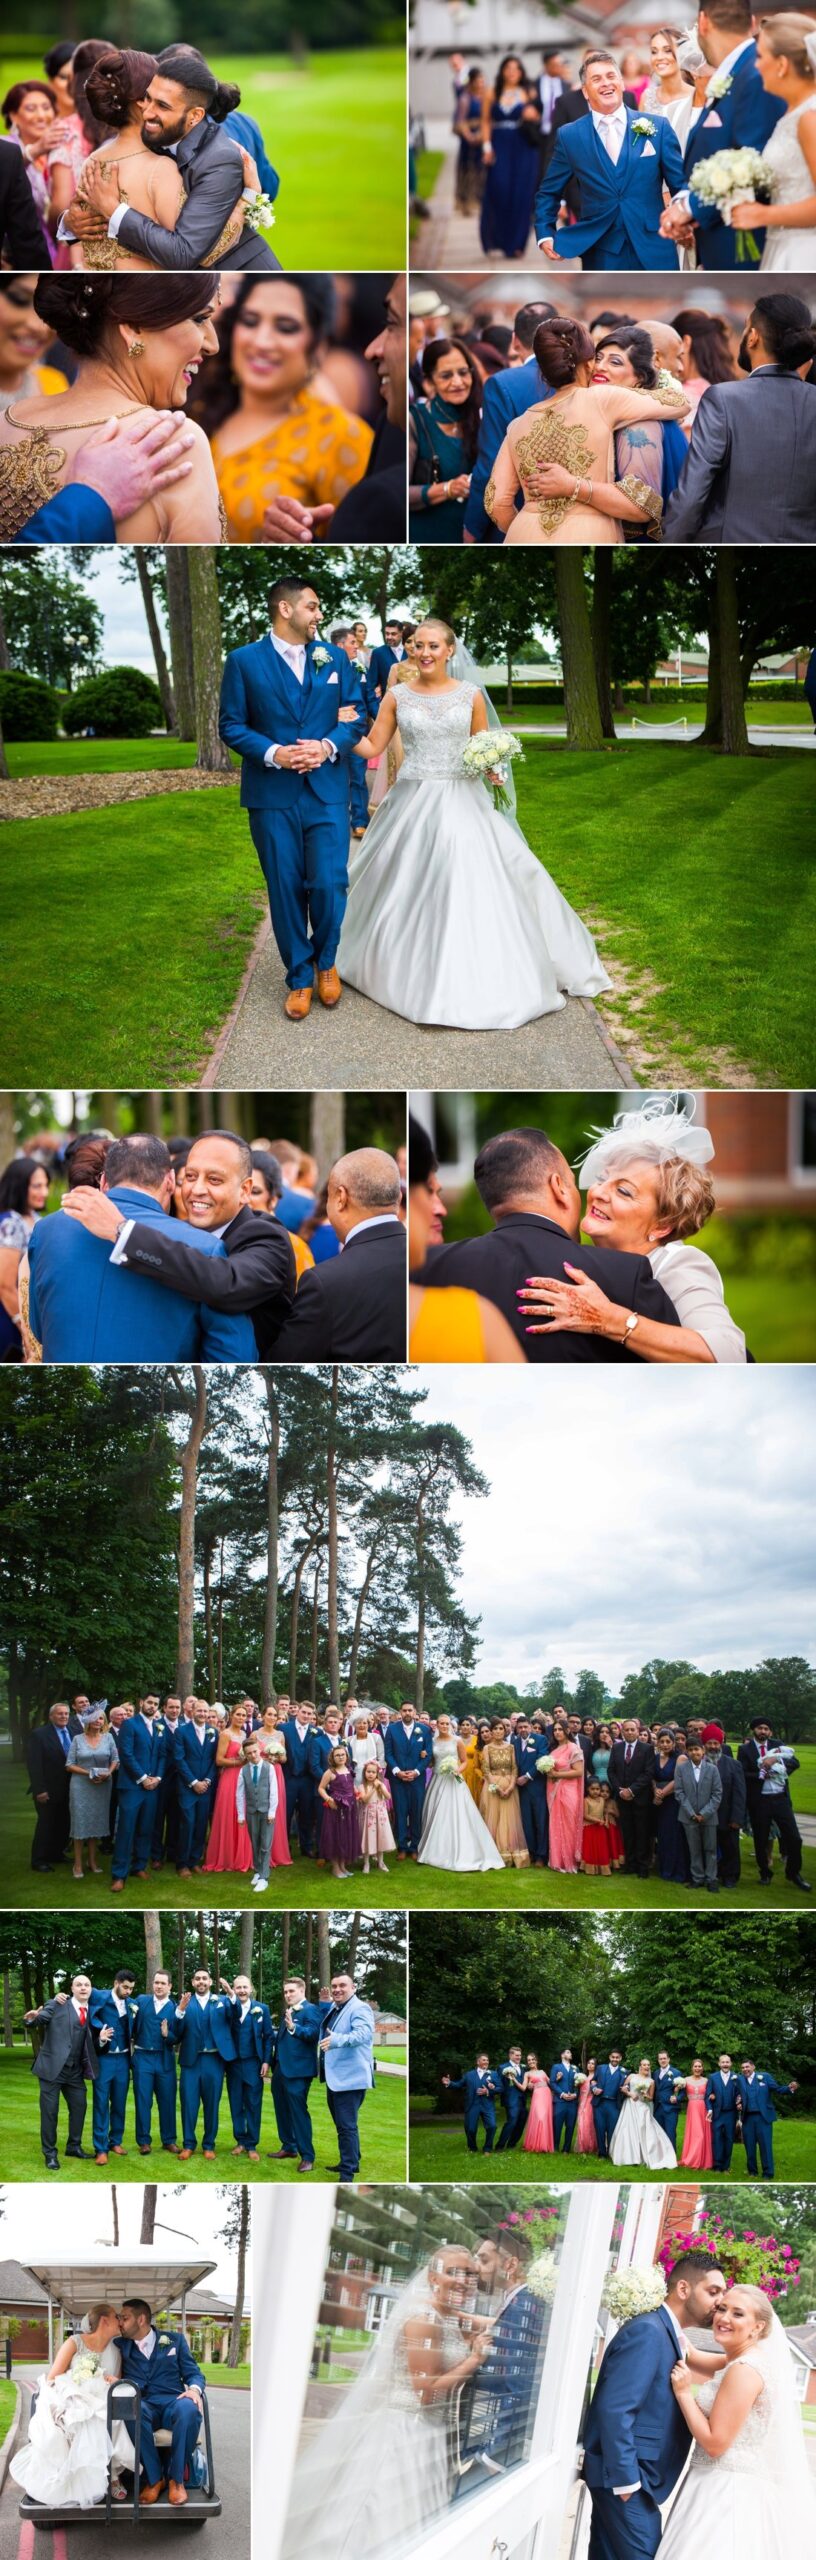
x,y
231,232
642,496
489,497
29,476
670,395
550,439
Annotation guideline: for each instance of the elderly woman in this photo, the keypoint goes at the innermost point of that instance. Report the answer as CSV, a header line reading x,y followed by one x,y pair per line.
x,y
91,1762
647,1192
364,1745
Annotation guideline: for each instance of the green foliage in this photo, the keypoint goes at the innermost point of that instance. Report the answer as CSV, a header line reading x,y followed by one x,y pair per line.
x,y
28,708
121,703
53,627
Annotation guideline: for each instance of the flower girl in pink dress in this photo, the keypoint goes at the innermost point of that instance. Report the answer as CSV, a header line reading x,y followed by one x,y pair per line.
x,y
374,1802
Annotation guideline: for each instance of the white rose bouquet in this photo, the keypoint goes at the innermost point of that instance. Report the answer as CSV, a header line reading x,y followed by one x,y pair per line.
x,y
490,753
632,2290
735,177
542,2279
450,1769
259,211
545,1765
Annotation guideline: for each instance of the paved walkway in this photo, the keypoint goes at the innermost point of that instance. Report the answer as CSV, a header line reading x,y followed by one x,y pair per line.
x,y
448,244
362,1049
670,732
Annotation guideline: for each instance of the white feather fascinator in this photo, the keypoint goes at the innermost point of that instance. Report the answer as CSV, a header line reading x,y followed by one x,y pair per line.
x,y
665,1127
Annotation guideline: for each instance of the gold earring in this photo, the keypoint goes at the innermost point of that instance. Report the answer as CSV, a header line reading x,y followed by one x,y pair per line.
x,y
137,347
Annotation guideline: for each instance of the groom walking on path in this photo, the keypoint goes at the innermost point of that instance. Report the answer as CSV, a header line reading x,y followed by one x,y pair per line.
x,y
293,710
636,2441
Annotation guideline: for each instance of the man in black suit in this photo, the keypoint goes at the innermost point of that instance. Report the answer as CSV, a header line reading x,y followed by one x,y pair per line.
x,y
66,2061
46,1754
22,243
354,1307
531,1193
258,1276
750,471
629,1779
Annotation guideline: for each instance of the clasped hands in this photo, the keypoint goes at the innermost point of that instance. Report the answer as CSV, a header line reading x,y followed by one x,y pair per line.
x,y
304,756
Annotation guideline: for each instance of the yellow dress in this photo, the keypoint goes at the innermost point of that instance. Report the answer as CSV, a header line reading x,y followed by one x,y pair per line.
x,y
448,1327
474,1777
576,429
304,1257
316,455
501,1812
47,379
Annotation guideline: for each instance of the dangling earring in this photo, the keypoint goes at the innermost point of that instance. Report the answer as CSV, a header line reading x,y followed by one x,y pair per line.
x,y
137,347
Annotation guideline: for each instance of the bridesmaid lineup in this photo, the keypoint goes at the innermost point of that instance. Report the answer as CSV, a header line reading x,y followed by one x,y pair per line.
x,y
627,2118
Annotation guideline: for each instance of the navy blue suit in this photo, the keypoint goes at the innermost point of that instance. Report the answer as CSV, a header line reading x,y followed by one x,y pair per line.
x,y
166,1818
142,1752
194,1753
75,514
110,2088
514,2101
505,395
635,2436
666,2108
84,1307
481,2091
162,2378
722,2098
153,2055
300,1783
299,822
406,1747
496,2407
621,201
565,2108
535,1814
741,120
206,2047
380,664
296,2061
254,2039
607,2094
759,2115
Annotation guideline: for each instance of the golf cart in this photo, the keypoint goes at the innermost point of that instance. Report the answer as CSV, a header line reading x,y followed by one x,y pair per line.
x,y
72,2290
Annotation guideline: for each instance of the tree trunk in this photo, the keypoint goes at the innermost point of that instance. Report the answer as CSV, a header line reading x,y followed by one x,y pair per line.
x,y
4,662
156,642
324,1954
149,2202
154,1960
246,1941
580,687
115,2213
179,616
327,1130
712,732
270,1629
8,2031
4,770
419,1680
286,1933
353,1942
331,1601
208,1625
202,1938
601,622
734,726
189,1485
362,1597
220,1689
234,2349
181,1951
216,1962
307,1957
213,756
315,1643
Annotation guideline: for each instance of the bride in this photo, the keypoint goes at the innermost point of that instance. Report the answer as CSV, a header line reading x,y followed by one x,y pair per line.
x,y
139,341
450,918
647,1191
453,1833
786,62
65,2462
638,2142
748,2487
379,2470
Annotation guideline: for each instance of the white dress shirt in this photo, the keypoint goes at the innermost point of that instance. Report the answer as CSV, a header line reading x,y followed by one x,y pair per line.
x,y
387,1218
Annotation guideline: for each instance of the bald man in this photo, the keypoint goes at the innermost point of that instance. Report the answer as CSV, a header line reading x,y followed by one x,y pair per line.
x,y
354,1307
668,347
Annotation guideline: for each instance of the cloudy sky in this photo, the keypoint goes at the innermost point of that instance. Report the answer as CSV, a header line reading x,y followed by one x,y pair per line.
x,y
636,1513
33,2227
125,639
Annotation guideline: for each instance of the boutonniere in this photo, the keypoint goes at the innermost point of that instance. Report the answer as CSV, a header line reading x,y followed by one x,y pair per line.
x,y
321,657
160,1728
360,665
643,124
719,86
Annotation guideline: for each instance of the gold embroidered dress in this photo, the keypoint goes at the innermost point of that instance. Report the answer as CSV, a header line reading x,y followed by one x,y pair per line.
x,y
100,254
577,429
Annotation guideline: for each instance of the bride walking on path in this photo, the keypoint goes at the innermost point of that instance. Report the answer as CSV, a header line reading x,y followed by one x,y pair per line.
x,y
65,2462
451,919
748,2488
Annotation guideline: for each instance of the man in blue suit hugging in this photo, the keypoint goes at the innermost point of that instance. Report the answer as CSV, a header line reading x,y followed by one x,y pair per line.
x,y
622,162
85,1305
636,2441
172,2394
292,708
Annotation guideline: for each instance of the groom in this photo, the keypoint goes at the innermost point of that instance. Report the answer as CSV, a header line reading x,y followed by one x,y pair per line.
x,y
172,2397
293,710
621,162
636,2441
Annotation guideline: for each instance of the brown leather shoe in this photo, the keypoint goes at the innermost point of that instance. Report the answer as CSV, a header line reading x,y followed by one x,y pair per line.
x,y
177,2494
298,1003
328,987
101,2159
185,2155
305,2168
147,2497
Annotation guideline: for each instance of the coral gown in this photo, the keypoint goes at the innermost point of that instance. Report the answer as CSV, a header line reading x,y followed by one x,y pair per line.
x,y
587,2139
697,2151
228,1850
565,1798
538,2131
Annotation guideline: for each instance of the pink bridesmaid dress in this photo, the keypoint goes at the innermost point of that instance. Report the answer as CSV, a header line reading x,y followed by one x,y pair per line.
x,y
538,2131
697,2151
229,1852
586,2139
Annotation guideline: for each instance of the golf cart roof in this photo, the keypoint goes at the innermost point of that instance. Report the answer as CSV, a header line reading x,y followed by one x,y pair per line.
x,y
112,2274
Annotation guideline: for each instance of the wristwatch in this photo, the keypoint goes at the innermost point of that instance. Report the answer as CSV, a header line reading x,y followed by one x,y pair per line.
x,y
629,1328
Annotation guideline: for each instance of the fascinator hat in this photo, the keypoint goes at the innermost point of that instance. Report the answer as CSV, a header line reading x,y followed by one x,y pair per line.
x,y
663,1130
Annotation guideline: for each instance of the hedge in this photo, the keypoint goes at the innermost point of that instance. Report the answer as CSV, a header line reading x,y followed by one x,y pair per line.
x,y
28,708
122,703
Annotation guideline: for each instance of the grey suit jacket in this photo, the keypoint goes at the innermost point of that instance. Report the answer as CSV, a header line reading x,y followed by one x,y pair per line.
x,y
691,1798
211,169
750,472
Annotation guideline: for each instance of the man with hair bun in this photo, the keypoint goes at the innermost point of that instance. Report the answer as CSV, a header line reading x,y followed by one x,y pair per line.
x,y
186,112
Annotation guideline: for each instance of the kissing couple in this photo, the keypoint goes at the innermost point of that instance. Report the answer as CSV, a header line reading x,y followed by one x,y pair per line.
x,y
70,2447
658,2398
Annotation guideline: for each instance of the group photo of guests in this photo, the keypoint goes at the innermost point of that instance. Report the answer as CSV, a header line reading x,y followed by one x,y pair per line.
x,y
145,1247
617,156
646,419
272,406
625,2117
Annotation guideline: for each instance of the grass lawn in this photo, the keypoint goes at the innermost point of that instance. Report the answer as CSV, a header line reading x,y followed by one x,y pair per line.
x,y
157,903
707,894
803,1782
407,1887
382,2134
778,1318
335,130
428,165
8,2396
438,2151
227,2377
98,755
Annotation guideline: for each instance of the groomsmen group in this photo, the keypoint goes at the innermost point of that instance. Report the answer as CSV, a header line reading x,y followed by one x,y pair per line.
x,y
740,2104
110,2037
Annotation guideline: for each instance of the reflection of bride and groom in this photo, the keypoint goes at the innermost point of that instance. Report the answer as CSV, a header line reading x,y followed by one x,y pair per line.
x,y
445,916
638,1289
441,2405
65,2461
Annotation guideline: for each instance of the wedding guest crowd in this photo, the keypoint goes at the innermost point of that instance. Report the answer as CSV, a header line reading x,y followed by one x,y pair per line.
x,y
204,1247
220,1791
627,2117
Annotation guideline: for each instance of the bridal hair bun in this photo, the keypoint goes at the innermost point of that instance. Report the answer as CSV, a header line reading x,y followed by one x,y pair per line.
x,y
115,83
794,35
559,346
80,307
662,1133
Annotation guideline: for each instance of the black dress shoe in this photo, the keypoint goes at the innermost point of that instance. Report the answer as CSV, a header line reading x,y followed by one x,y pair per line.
x,y
40,1869
51,2160
77,2153
801,1884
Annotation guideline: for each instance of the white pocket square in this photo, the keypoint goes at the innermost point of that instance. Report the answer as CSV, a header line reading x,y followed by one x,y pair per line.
x,y
333,678
713,118
648,151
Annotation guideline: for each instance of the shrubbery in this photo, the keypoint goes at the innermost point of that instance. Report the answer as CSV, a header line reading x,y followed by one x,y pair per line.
x,y
28,708
122,703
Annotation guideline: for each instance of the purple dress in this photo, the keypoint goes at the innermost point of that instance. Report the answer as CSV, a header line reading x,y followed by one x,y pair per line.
x,y
339,1829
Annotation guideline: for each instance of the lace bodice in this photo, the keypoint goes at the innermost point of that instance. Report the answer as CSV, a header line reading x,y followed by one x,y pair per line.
x,y
747,2451
445,1751
448,2338
783,149
434,729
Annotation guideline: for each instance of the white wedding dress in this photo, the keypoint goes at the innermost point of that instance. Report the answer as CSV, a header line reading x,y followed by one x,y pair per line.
x,y
65,2462
758,2498
453,1833
638,2142
791,252
450,918
379,2469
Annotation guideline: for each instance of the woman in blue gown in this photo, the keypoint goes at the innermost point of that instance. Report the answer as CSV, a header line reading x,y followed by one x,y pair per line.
x,y
510,133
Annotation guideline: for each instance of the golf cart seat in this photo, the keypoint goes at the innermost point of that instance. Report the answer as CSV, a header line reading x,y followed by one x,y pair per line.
x,y
125,2404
